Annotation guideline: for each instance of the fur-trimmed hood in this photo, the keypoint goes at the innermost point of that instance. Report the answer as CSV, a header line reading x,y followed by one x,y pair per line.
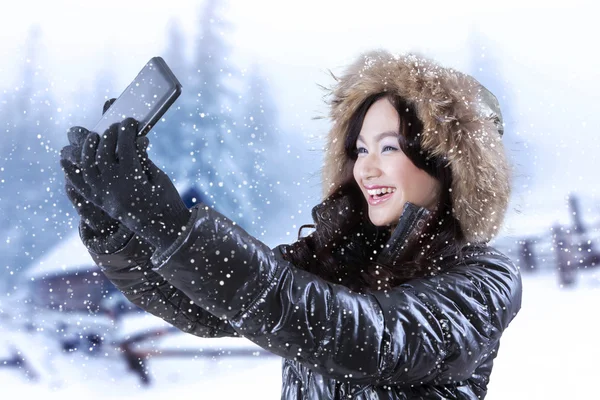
x,y
462,124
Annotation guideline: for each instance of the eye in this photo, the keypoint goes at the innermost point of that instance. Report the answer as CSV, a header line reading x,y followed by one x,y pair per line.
x,y
390,147
359,150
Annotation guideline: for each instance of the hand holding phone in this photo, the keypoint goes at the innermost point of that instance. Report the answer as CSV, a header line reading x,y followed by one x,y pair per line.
x,y
146,99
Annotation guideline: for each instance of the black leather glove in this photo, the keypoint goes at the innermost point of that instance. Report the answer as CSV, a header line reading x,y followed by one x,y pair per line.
x,y
76,136
99,232
119,177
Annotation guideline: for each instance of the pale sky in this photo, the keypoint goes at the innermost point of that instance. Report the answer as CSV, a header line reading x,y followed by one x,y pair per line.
x,y
548,52
82,36
289,37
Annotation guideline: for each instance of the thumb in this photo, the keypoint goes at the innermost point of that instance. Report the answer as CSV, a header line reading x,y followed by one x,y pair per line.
x,y
107,105
142,146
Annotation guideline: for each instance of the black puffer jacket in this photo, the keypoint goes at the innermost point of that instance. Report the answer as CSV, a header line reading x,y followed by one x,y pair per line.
x,y
431,338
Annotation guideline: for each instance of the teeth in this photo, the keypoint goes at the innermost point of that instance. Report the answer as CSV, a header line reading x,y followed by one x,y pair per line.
x,y
374,192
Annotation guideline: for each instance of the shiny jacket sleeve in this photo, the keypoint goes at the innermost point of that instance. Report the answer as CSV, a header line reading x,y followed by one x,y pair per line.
x,y
433,330
129,270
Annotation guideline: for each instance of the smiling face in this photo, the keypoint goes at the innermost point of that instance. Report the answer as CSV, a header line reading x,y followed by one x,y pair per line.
x,y
385,175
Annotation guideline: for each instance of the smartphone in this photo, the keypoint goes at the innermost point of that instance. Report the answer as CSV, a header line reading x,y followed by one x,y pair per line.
x,y
146,98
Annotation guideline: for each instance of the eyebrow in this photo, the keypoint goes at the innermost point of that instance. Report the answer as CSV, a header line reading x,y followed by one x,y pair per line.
x,y
380,136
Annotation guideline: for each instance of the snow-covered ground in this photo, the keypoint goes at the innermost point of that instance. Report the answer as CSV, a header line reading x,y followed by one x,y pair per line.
x,y
550,351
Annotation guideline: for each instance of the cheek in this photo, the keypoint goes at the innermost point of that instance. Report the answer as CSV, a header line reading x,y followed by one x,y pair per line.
x,y
355,171
409,179
423,188
402,174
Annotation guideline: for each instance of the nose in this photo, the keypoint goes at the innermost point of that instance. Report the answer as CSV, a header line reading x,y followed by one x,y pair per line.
x,y
369,167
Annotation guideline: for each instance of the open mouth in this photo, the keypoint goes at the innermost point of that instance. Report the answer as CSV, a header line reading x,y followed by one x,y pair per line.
x,y
379,195
376,197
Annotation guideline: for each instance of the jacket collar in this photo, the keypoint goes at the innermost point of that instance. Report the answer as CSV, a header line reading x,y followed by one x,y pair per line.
x,y
411,224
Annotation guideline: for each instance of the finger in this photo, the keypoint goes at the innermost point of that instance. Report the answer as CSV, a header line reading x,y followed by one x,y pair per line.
x,y
152,171
147,165
71,153
142,144
126,147
84,207
106,152
77,135
142,149
88,159
74,177
76,198
107,105
73,194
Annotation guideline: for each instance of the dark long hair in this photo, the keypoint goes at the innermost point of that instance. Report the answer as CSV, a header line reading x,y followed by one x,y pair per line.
x,y
347,254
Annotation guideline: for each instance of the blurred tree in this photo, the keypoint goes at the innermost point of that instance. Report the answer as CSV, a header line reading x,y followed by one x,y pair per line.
x,y
104,89
221,136
211,114
30,126
198,141
258,138
169,141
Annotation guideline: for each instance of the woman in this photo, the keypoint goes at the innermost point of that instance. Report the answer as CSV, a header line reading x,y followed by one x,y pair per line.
x,y
395,295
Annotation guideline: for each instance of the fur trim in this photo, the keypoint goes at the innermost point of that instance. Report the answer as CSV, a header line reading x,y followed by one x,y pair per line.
x,y
462,124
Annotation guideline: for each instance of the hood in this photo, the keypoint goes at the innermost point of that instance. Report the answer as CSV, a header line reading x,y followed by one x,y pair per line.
x,y
462,124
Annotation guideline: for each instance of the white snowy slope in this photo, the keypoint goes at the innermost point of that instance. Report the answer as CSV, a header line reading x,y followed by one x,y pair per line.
x,y
550,351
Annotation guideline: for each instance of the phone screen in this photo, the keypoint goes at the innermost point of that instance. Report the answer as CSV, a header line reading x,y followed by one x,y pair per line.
x,y
146,98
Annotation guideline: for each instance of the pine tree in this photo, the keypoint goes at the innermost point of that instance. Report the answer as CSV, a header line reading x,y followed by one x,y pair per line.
x,y
214,87
30,128
258,137
170,139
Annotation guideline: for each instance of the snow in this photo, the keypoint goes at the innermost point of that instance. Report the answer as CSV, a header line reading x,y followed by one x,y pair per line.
x,y
60,375
68,255
549,351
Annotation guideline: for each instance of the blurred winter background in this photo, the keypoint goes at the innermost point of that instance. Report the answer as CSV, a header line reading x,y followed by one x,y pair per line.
x,y
242,138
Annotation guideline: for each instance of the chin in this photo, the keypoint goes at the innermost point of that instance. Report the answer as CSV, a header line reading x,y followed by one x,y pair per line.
x,y
380,220
385,217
